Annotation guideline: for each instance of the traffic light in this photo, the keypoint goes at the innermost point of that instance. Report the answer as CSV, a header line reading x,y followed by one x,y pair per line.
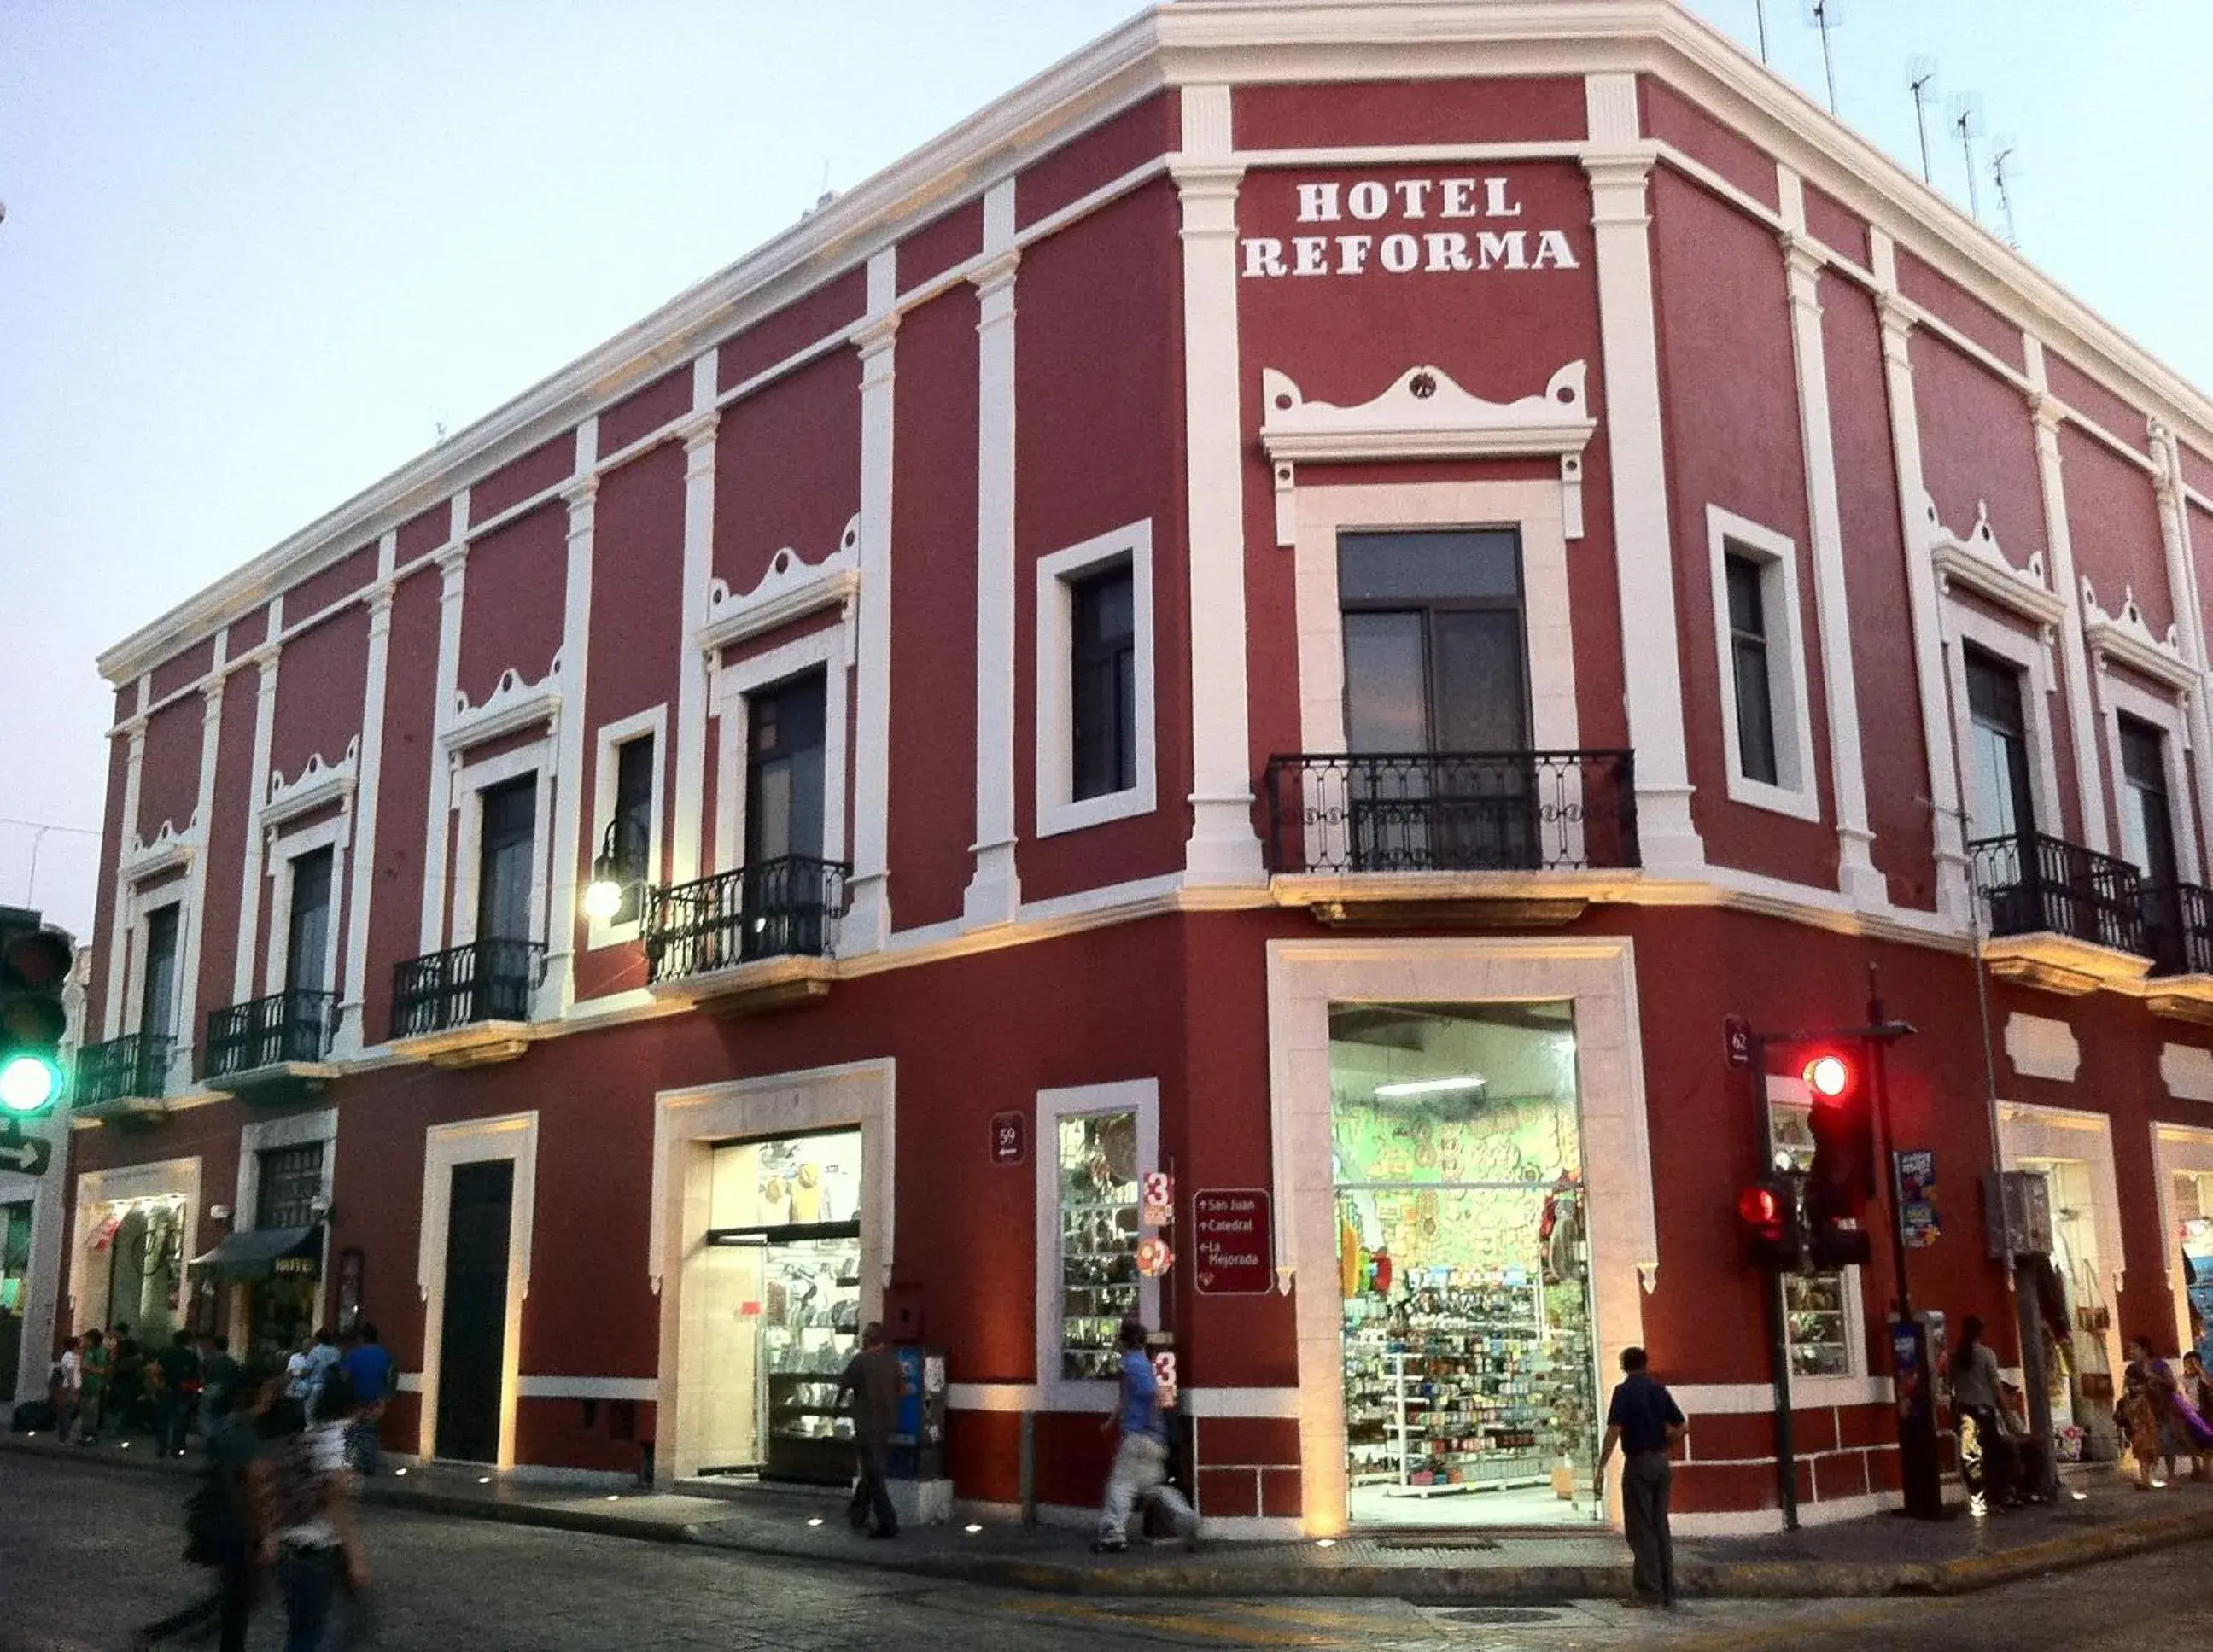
x,y
34,967
1842,1174
1772,1216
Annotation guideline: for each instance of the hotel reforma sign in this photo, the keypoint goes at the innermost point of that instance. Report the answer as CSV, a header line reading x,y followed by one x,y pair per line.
x,y
1436,225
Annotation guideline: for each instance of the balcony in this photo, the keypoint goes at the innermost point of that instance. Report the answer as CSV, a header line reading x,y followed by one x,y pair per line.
x,y
467,1005
272,1049
753,938
2058,916
2179,929
1394,837
126,1075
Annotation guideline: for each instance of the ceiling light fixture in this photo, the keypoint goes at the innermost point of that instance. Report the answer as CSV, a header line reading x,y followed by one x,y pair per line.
x,y
1431,1086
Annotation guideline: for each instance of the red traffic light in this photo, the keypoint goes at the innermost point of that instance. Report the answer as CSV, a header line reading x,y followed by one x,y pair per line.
x,y
1830,1077
1759,1206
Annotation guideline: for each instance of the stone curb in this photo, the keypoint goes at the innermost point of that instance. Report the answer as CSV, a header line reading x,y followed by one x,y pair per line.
x,y
1431,1585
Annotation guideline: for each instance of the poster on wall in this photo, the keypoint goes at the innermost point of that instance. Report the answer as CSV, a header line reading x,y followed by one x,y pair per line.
x,y
1158,1196
1916,1195
1233,1241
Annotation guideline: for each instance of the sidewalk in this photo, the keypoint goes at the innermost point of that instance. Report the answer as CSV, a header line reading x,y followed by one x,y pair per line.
x,y
1881,1555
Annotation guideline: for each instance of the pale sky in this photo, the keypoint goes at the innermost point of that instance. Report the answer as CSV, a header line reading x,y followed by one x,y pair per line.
x,y
255,253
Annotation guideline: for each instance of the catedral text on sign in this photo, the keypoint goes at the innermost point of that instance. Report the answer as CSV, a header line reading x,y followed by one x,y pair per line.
x,y
1496,242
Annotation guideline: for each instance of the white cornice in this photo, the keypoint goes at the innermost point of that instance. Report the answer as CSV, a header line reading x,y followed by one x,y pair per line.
x,y
172,850
317,785
2126,640
790,589
512,706
1977,562
1221,42
1423,414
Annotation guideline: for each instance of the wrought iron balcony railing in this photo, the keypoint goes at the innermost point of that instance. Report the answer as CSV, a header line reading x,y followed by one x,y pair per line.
x,y
295,1025
483,981
2179,928
2033,884
136,1064
1451,812
778,909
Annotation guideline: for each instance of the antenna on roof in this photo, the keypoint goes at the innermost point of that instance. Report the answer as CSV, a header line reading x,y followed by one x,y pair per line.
x,y
1760,13
1967,121
2002,169
1822,14
1922,71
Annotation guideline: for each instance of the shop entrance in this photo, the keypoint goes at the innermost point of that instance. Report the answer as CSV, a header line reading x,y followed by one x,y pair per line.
x,y
778,1306
473,1335
1471,1379
144,1242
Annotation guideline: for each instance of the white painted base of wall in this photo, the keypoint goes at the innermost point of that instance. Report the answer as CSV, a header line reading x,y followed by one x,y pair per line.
x,y
922,1502
1755,1523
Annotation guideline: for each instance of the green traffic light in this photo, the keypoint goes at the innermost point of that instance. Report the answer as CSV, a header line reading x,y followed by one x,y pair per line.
x,y
28,1084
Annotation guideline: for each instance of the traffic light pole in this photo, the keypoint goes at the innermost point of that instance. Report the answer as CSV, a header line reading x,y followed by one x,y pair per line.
x,y
1779,1330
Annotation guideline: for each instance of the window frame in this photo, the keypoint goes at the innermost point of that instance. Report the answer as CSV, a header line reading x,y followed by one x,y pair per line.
x,y
469,786
736,684
335,834
1085,656
2030,654
1796,789
1058,809
1141,1096
2119,699
607,741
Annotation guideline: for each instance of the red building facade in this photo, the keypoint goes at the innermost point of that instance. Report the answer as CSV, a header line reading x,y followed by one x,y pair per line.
x,y
1306,603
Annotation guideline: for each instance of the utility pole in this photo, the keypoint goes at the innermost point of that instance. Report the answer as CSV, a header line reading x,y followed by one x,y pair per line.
x,y
1923,73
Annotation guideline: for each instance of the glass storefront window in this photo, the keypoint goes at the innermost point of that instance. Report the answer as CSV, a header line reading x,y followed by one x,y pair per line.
x,y
1099,1281
1814,1305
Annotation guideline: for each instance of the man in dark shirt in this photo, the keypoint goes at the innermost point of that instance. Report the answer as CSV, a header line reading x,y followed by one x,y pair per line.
x,y
180,1382
1644,1421
873,1378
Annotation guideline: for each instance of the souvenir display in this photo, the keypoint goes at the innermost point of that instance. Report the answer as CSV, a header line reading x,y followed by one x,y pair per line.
x,y
1099,1238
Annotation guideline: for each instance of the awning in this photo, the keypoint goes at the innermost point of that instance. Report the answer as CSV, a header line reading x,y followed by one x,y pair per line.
x,y
259,1252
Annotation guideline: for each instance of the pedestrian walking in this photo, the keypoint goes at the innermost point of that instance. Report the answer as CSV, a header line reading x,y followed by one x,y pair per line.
x,y
218,1381
1140,1473
1975,1403
872,1377
1643,1420
180,1368
65,1388
227,1522
92,1387
368,1367
321,1569
127,1383
2146,1413
2195,1392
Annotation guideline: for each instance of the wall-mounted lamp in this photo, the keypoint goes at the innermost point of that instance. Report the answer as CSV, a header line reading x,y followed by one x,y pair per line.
x,y
318,1206
603,895
218,1213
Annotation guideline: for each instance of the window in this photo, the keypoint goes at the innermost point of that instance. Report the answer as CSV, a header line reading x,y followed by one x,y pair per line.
x,y
1434,655
1094,1144
503,862
289,1180
157,992
786,731
1766,725
1095,681
307,930
635,777
1817,1308
1102,682
1755,708
1999,802
2147,824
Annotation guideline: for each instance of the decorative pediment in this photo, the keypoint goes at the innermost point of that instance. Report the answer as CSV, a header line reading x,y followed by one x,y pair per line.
x,y
512,706
1977,563
1425,414
316,786
171,851
790,589
2124,638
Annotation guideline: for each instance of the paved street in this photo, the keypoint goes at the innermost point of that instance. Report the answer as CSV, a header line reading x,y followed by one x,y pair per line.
x,y
87,1552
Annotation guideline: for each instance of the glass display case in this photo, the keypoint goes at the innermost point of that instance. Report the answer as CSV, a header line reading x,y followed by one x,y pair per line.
x,y
1099,1279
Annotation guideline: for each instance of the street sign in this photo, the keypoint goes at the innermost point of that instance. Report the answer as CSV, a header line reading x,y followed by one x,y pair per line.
x,y
26,1155
1010,1137
1233,1241
1736,1041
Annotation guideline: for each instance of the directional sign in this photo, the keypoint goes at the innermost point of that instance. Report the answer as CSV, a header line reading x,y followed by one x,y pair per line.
x,y
1234,1237
26,1155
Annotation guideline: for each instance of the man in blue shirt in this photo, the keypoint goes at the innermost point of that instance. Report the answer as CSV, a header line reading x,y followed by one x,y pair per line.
x,y
370,1369
1644,1421
1141,1461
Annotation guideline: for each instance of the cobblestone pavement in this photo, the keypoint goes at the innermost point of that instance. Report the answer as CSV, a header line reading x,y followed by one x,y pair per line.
x,y
88,1551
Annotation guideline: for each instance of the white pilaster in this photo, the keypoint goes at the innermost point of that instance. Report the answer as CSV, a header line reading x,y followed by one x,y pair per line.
x,y
349,1037
994,892
119,921
690,769
868,923
1856,876
2074,655
558,989
1922,598
2190,615
1224,847
1619,167
251,873
453,579
188,968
